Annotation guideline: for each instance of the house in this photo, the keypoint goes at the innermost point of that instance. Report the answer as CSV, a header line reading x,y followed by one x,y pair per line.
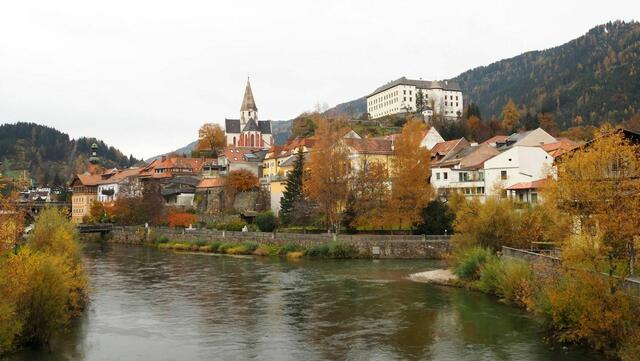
x,y
85,192
367,150
462,169
120,182
248,131
281,153
399,96
517,164
236,158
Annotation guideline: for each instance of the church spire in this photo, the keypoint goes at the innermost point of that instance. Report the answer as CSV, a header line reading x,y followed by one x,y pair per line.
x,y
248,103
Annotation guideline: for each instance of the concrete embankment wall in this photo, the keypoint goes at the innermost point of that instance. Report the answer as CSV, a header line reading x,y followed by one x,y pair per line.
x,y
369,246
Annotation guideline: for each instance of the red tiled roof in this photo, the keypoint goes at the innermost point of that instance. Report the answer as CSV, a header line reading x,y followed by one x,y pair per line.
x,y
195,164
561,146
89,179
236,154
211,183
444,147
120,175
540,183
291,147
370,145
495,139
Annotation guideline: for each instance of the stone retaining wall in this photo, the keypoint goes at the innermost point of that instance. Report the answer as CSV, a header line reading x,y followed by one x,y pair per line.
x,y
369,246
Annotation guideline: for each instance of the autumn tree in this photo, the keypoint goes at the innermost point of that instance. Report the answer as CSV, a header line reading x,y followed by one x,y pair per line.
x,y
370,189
598,185
304,125
326,183
11,221
547,122
476,129
510,116
410,190
240,180
211,138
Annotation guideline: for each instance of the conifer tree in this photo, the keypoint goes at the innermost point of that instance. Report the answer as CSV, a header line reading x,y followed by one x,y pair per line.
x,y
293,189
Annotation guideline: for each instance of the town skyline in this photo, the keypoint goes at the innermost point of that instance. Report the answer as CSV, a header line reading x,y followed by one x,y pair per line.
x,y
166,71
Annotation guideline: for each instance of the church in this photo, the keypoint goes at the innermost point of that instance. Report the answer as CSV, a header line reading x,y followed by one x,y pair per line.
x,y
248,131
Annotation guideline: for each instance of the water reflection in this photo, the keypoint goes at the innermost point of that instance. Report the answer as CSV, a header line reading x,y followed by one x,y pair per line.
x,y
152,305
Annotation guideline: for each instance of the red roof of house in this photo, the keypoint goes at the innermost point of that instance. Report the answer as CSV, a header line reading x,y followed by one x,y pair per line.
x,y
444,147
561,146
211,183
291,147
370,145
174,162
540,183
495,139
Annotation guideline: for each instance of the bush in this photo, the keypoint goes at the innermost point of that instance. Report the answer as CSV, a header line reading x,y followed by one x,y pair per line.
x,y
262,251
224,247
339,249
250,247
317,250
515,281
237,249
236,226
294,255
490,276
215,246
289,247
163,239
200,243
469,261
266,221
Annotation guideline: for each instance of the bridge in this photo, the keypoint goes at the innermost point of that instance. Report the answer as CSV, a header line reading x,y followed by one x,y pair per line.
x,y
31,209
102,228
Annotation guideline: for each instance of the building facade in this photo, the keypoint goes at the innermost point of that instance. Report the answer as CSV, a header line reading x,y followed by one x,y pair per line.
x,y
400,96
248,131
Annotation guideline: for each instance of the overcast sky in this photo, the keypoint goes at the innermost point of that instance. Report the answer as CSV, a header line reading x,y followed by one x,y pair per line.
x,y
144,75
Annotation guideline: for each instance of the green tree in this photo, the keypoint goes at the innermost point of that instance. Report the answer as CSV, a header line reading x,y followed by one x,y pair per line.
x,y
437,218
293,188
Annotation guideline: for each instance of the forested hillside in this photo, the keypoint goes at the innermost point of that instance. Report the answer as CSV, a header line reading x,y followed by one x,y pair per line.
x,y
595,77
50,156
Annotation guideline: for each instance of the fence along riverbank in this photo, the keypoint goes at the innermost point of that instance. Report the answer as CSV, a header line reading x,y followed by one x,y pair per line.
x,y
369,246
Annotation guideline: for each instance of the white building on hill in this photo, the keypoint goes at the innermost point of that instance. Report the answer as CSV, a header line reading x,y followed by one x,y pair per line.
x,y
399,96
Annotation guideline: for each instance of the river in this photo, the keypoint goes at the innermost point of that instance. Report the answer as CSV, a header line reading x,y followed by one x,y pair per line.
x,y
148,304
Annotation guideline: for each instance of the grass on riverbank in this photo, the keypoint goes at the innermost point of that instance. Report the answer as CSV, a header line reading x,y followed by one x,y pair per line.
x,y
335,249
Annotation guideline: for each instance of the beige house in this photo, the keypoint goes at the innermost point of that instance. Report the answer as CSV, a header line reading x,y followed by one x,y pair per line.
x,y
85,192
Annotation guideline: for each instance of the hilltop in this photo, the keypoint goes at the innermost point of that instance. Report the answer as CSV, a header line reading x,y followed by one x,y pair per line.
x,y
594,77
49,156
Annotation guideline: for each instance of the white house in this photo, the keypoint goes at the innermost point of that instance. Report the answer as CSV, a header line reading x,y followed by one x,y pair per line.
x,y
118,183
399,96
518,164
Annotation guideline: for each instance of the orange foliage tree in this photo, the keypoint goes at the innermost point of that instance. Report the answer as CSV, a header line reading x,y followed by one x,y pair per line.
x,y
177,218
211,138
410,190
326,183
370,190
510,116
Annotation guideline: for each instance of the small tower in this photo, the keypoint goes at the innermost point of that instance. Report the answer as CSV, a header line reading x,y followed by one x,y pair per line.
x,y
94,154
248,110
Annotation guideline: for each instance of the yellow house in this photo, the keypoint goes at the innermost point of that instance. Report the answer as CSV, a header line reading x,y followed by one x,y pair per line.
x,y
85,192
370,150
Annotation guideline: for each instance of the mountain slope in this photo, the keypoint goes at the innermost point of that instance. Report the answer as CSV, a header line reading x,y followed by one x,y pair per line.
x,y
594,76
50,156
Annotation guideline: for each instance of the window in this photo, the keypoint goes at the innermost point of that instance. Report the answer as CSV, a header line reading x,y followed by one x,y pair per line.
x,y
438,176
460,177
445,104
445,97
404,92
503,174
409,92
445,175
405,99
410,99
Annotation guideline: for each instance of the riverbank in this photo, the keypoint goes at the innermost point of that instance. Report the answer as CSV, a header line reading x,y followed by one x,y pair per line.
x,y
364,246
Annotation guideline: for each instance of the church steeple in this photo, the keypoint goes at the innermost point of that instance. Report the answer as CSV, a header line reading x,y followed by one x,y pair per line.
x,y
248,110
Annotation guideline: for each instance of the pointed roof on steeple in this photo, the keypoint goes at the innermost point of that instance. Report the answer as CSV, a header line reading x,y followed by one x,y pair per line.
x,y
248,103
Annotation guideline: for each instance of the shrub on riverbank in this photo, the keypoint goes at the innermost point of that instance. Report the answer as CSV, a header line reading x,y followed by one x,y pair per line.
x,y
468,262
43,285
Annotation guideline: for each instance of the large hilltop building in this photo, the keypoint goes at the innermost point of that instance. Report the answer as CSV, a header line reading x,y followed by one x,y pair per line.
x,y
399,96
248,131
